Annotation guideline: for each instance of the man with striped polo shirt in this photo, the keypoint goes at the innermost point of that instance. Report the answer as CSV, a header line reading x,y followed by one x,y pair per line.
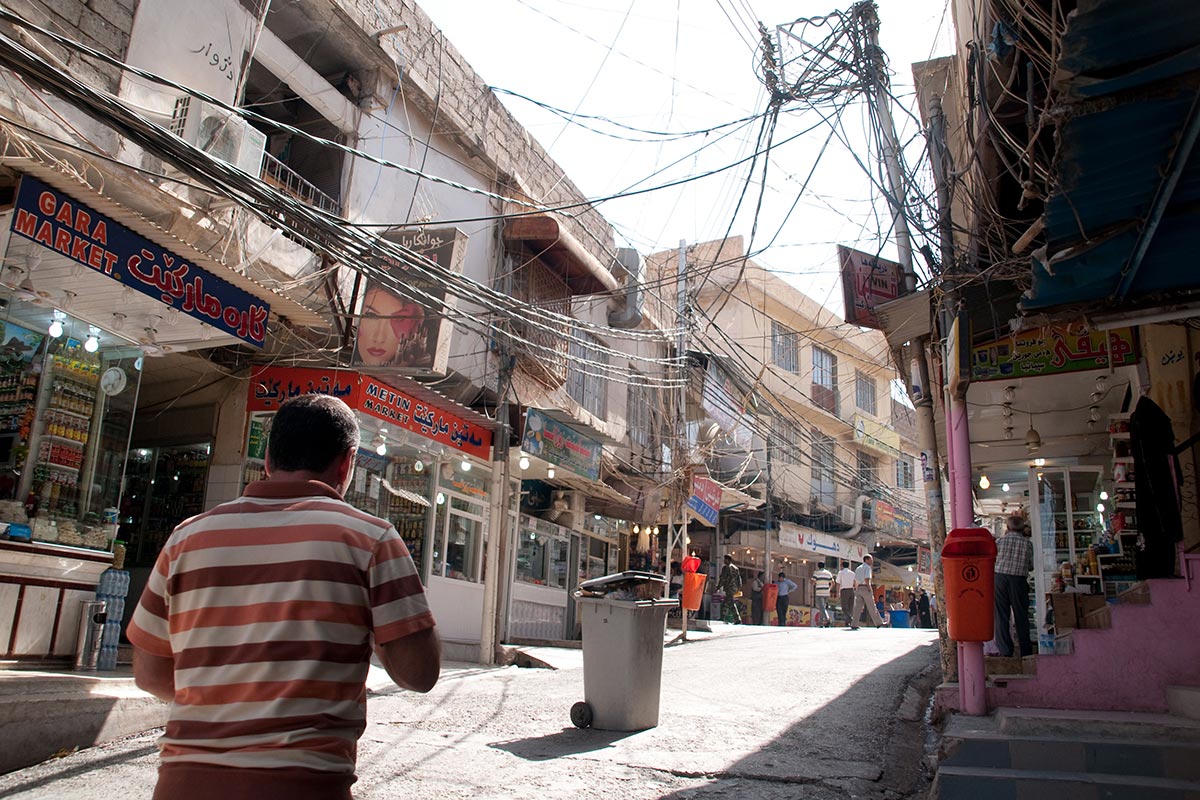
x,y
259,619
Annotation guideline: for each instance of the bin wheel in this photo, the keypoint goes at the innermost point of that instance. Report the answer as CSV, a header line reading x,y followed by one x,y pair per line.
x,y
581,715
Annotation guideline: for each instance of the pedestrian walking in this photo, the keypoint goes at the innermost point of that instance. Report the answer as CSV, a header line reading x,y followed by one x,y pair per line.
x,y
258,621
923,609
822,586
845,583
756,599
786,587
730,584
864,594
1014,562
912,608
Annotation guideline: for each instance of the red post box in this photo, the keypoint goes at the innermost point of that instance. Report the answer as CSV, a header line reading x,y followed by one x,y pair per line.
x,y
968,564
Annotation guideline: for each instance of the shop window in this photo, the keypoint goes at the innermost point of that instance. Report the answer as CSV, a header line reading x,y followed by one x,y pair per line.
x,y
865,392
560,550
785,347
531,557
597,558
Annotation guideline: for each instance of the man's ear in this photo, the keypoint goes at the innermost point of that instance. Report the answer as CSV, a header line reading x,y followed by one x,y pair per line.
x,y
345,466
267,469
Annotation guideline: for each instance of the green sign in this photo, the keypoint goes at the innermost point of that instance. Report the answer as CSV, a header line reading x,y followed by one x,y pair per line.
x,y
550,440
257,446
1051,351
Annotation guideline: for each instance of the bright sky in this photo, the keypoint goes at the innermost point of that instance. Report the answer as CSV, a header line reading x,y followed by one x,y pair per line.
x,y
684,66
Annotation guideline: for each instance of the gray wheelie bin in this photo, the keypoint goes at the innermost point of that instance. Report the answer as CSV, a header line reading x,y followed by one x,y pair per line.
x,y
624,618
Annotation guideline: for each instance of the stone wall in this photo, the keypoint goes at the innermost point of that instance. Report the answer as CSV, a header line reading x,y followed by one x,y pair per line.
x,y
101,24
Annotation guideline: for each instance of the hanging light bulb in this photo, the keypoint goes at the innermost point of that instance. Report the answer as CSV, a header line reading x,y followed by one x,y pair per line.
x,y
1004,487
984,483
1101,384
441,499
1100,507
1008,432
1010,392
1039,462
68,298
92,343
418,466
1103,495
466,465
1094,413
56,326
1033,439
118,321
381,442
524,462
1006,410
637,528
550,472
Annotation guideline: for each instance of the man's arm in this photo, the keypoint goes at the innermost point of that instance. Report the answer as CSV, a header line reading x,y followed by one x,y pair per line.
x,y
413,662
154,674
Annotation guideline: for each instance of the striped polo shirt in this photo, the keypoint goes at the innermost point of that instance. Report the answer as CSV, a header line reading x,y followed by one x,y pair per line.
x,y
268,605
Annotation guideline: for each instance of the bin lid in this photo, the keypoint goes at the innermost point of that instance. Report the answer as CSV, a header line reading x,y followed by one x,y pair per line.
x,y
617,580
690,564
969,542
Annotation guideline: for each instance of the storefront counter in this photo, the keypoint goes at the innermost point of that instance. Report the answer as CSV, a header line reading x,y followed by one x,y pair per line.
x,y
538,612
41,586
458,608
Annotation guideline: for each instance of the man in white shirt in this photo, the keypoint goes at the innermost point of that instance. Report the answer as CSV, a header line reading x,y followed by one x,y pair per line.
x,y
864,594
845,583
786,587
822,583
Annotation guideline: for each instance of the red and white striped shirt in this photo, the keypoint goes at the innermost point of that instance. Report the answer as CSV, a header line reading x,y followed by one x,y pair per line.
x,y
268,605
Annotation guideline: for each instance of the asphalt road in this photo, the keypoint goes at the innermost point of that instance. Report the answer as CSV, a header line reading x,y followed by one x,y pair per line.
x,y
761,713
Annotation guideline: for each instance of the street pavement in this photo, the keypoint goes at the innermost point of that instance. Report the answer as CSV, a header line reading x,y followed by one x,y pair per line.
x,y
761,713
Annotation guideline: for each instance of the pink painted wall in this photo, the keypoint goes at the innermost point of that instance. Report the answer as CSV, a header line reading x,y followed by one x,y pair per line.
x,y
1123,668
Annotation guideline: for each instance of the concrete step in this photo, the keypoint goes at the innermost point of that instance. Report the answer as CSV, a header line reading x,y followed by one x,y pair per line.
x,y
1184,701
1097,724
1099,756
994,783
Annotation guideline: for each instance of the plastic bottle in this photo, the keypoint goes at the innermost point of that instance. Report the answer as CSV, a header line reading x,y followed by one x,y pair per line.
x,y
112,588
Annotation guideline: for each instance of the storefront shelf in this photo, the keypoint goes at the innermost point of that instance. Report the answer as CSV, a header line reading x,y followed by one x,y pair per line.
x,y
75,414
63,467
73,442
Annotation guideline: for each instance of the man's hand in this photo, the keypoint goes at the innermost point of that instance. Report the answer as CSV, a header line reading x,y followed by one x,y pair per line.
x,y
414,662
154,674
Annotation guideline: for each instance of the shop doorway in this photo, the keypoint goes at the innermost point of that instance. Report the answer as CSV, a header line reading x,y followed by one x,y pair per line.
x,y
163,487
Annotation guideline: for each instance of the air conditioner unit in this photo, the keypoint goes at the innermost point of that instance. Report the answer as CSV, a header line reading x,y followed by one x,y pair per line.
x,y
220,133
846,513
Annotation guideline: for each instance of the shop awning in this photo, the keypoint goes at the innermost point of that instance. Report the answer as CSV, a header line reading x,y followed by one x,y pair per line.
x,y
596,489
405,494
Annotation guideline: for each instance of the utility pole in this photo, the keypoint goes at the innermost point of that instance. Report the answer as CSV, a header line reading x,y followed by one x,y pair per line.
x,y
919,376
682,456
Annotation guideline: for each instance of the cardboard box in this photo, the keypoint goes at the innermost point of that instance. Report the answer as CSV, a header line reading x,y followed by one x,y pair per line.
x,y
1066,612
1092,611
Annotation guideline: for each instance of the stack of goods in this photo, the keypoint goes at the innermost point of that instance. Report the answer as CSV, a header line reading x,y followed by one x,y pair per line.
x,y
13,511
69,535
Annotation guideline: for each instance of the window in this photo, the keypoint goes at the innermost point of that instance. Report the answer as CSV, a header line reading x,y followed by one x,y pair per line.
x,y
904,472
459,536
536,284
824,489
785,347
865,392
639,411
586,382
783,447
868,471
824,380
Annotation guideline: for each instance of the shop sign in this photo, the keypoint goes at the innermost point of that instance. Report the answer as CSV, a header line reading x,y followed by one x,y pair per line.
x,y
718,401
868,281
884,517
85,236
1052,350
550,440
383,401
706,498
410,330
256,447
876,436
798,538
924,561
270,386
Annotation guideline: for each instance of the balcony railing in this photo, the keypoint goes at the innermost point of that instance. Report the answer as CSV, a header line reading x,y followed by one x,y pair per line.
x,y
288,181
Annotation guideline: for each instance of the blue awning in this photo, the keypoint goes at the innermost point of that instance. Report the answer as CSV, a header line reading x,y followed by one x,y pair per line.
x,y
1128,79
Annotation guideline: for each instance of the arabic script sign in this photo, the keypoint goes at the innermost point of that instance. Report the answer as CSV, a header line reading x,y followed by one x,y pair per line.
x,y
867,281
799,538
1051,351
270,386
705,499
85,236
550,440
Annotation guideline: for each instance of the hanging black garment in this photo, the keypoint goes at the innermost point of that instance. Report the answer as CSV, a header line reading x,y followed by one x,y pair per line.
x,y
1156,480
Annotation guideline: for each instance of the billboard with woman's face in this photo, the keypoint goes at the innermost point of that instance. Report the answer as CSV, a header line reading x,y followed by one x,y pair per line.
x,y
410,333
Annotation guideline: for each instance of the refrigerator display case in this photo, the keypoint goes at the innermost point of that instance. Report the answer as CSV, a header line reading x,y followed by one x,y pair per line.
x,y
1066,525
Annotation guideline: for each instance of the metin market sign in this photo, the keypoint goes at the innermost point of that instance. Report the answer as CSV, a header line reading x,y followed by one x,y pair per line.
x,y
87,237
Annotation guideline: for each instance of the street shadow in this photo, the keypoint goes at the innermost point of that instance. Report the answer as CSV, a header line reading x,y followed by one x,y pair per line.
x,y
567,742
91,765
